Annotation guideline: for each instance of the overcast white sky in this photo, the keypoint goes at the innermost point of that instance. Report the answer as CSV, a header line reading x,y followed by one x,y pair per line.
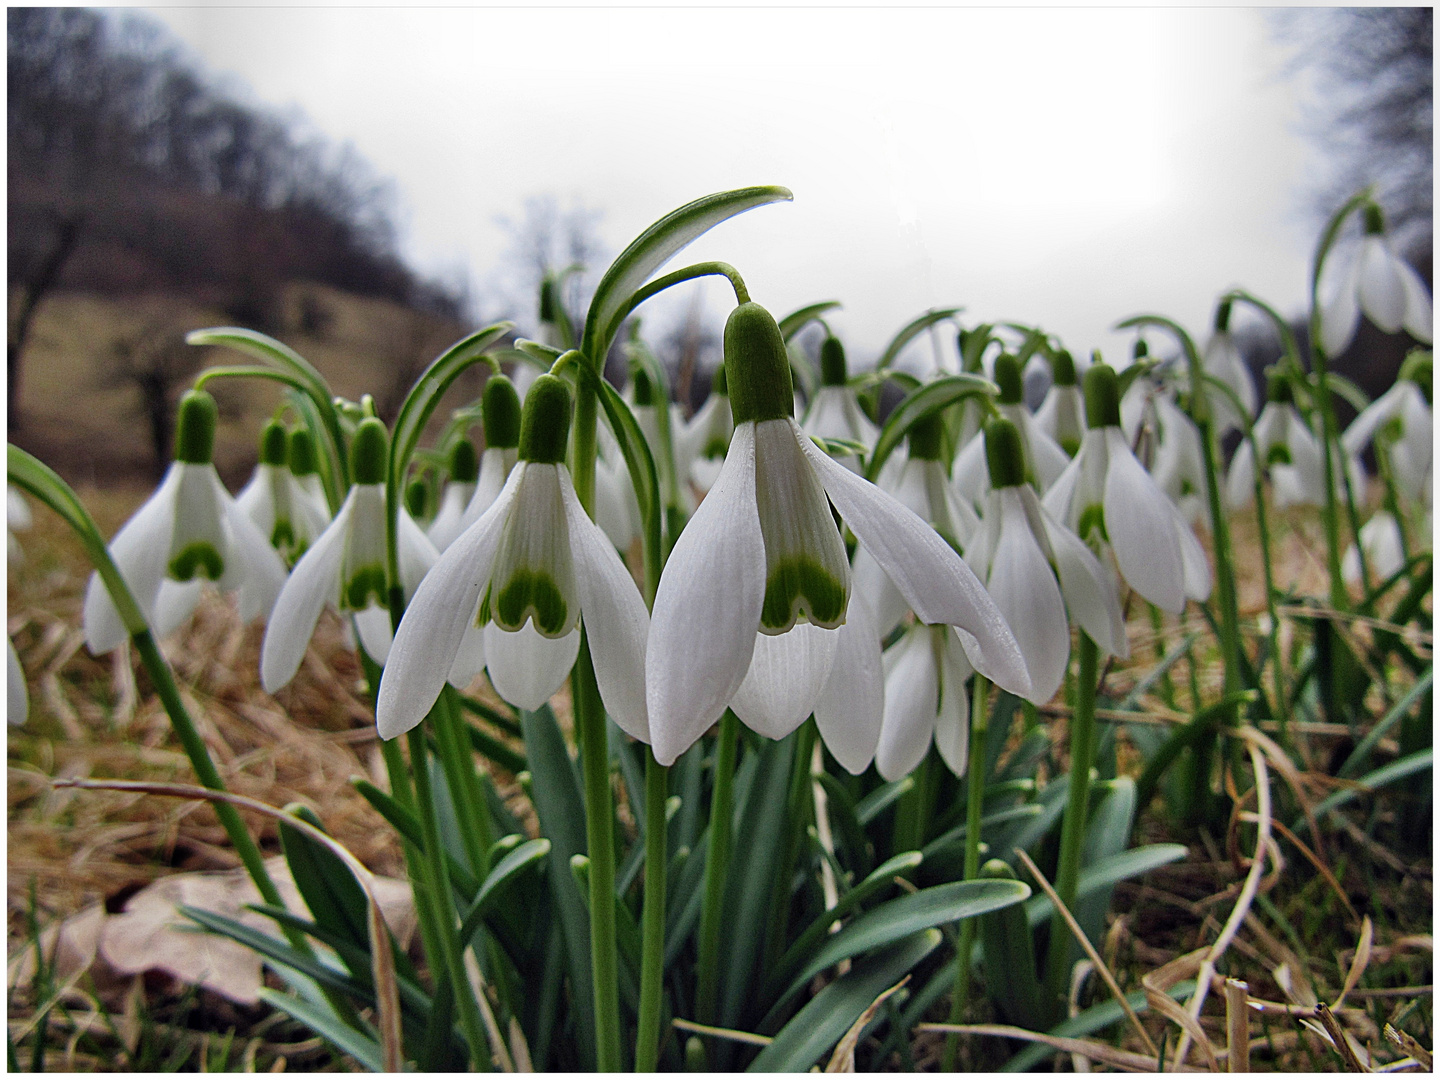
x,y
1066,167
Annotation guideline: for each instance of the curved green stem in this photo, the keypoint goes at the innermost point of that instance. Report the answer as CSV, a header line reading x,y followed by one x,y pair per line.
x,y
652,956
717,858
689,273
1072,829
974,808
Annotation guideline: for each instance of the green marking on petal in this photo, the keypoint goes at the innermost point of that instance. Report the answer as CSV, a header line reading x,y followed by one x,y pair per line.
x,y
1070,446
800,585
283,535
1279,454
365,582
194,558
1092,519
533,594
1392,430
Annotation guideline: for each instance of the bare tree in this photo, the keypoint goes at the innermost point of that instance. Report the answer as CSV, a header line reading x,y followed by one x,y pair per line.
x,y
154,359
548,240
34,283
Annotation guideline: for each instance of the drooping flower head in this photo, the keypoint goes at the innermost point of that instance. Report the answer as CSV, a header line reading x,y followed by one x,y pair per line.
x,y
1044,459
291,513
835,413
1062,414
1223,361
1401,420
1290,450
189,532
346,568
754,603
704,439
1107,498
459,490
1381,283
519,582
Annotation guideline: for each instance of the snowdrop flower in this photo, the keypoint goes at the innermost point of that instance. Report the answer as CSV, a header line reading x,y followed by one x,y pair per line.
x,y
922,487
345,568
1381,283
1384,550
700,450
1292,455
1062,414
17,704
835,413
670,469
1044,459
1179,465
925,700
459,490
1401,418
500,411
282,508
617,509
529,571
757,586
1020,551
190,531
17,516
1106,497
1222,360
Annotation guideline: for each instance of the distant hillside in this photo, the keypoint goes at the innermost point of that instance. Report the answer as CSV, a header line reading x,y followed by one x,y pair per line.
x,y
128,162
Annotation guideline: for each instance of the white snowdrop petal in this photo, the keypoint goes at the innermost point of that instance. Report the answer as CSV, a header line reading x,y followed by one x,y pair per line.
x,y
1139,522
469,657
1340,316
1088,588
264,572
936,583
416,554
140,550
1419,319
614,614
869,581
174,602
1024,589
1192,557
450,518
1240,480
373,627
952,719
439,618
786,676
852,703
912,696
313,583
527,668
707,608
1382,294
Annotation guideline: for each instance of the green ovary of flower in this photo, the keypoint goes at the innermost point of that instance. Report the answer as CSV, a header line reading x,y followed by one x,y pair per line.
x,y
365,582
799,584
1092,519
531,593
197,558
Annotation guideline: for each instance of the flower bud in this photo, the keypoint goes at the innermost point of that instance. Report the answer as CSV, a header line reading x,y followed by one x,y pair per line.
x,y
833,371
274,444
545,422
1062,368
1007,377
500,407
1141,350
757,367
464,462
1004,454
195,428
302,453
549,309
417,497
1102,397
368,451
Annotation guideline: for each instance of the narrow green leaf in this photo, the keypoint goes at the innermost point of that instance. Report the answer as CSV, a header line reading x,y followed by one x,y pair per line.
x,y
655,247
793,323
1390,719
486,745
926,401
1107,834
513,864
405,823
328,1026
1093,1019
884,796
910,331
898,918
849,833
1011,978
1107,872
824,1020
1374,781
335,899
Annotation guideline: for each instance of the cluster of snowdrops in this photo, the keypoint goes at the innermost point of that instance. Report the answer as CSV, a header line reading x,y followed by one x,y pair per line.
x,y
795,553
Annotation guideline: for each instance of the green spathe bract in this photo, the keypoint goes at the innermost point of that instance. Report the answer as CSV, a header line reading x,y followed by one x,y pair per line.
x,y
195,428
500,407
464,462
927,438
833,370
1003,454
757,369
531,594
302,453
545,423
1102,397
368,451
800,585
1007,377
1062,368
